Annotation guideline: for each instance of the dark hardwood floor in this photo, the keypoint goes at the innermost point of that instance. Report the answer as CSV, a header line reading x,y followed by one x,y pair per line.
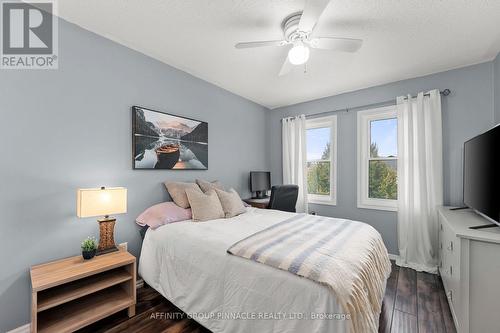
x,y
413,302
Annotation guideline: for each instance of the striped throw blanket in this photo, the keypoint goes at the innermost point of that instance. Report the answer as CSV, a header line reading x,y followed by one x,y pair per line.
x,y
349,257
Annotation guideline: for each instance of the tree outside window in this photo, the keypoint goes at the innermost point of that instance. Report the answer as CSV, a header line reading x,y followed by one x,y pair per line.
x,y
321,156
318,174
378,158
383,181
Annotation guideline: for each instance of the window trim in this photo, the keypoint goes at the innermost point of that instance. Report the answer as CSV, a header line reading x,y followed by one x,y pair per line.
x,y
364,140
331,122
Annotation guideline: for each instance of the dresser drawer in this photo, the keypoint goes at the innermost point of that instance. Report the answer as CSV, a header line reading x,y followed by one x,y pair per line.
x,y
449,264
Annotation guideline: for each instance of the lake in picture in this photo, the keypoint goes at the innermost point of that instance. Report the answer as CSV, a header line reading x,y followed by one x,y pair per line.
x,y
164,141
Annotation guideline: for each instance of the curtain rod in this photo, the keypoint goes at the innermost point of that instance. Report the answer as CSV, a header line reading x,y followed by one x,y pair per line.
x,y
444,92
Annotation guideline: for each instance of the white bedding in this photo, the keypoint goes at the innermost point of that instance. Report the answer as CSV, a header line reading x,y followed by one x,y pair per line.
x,y
187,263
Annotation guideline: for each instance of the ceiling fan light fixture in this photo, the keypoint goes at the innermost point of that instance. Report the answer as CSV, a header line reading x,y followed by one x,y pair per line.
x,y
298,54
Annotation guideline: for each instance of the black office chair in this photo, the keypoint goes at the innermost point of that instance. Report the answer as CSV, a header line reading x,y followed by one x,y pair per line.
x,y
284,197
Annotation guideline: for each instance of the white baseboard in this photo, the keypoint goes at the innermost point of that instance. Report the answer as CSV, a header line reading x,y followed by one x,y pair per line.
x,y
393,256
21,329
27,328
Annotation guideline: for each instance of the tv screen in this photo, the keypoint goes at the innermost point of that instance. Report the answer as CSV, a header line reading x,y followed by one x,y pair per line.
x,y
260,181
482,174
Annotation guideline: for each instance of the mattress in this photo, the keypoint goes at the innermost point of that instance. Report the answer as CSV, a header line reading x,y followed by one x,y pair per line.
x,y
188,264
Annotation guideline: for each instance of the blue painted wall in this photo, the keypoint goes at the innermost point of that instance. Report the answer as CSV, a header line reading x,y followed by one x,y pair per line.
x,y
466,112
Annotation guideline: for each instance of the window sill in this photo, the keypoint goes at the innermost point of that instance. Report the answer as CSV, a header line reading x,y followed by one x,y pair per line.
x,y
378,207
322,202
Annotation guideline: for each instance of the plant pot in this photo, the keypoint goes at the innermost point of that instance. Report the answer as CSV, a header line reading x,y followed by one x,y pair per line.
x,y
88,254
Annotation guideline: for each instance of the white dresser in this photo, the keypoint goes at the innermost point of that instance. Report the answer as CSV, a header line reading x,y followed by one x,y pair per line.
x,y
470,269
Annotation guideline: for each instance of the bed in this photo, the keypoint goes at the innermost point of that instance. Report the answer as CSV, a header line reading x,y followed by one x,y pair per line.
x,y
187,262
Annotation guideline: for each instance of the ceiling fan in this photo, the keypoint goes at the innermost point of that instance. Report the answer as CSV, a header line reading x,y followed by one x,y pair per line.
x,y
298,29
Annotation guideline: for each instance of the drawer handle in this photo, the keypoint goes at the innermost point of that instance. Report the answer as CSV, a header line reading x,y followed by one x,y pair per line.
x,y
441,227
451,270
441,246
450,247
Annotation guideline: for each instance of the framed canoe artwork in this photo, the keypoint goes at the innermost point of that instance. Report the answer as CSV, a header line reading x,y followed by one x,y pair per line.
x,y
164,141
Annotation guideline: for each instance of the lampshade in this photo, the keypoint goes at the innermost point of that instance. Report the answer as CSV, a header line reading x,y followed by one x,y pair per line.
x,y
101,201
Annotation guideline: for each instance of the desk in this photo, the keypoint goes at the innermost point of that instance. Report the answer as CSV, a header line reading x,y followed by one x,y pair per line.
x,y
258,203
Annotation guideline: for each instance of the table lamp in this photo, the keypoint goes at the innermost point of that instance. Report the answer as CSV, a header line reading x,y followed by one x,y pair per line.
x,y
103,202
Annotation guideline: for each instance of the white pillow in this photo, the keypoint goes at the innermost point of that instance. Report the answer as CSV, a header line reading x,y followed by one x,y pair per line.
x,y
177,191
231,202
204,206
207,186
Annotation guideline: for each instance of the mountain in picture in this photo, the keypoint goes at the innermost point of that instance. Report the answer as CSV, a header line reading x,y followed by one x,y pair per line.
x,y
198,134
144,127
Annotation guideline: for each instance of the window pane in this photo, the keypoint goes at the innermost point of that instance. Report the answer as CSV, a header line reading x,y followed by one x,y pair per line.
x,y
318,143
384,138
318,178
383,180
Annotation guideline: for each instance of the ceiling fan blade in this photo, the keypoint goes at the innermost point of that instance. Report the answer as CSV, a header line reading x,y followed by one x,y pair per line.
x,y
336,44
247,45
312,12
286,68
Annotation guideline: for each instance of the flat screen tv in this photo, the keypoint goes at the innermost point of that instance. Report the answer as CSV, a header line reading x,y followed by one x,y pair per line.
x,y
260,182
482,174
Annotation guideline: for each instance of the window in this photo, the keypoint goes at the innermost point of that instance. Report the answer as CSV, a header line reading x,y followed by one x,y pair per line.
x,y
321,138
377,158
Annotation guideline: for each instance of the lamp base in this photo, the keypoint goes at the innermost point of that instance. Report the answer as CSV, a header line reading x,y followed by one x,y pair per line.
x,y
109,250
106,236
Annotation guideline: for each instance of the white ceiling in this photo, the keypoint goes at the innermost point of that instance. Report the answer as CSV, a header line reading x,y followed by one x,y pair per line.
x,y
402,39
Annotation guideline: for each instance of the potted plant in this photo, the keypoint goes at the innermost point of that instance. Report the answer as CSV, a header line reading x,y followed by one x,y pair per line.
x,y
89,248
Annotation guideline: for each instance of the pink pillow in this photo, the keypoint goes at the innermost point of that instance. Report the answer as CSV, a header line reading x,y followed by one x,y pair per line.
x,y
163,213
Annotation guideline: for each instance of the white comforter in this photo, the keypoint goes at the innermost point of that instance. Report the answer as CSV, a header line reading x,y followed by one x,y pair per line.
x,y
187,263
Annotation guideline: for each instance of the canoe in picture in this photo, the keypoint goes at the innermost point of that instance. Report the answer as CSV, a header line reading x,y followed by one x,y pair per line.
x,y
168,156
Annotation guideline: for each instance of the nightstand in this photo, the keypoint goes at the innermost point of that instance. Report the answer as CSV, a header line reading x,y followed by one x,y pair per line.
x,y
258,203
71,293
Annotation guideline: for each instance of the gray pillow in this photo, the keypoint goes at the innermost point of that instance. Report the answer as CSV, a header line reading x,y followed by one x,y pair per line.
x,y
231,202
177,191
207,186
204,206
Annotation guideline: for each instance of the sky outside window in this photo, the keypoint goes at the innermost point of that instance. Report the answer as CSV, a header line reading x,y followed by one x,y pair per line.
x,y
384,133
317,141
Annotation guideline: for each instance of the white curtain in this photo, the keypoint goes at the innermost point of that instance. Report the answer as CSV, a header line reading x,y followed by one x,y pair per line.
x,y
420,179
295,157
